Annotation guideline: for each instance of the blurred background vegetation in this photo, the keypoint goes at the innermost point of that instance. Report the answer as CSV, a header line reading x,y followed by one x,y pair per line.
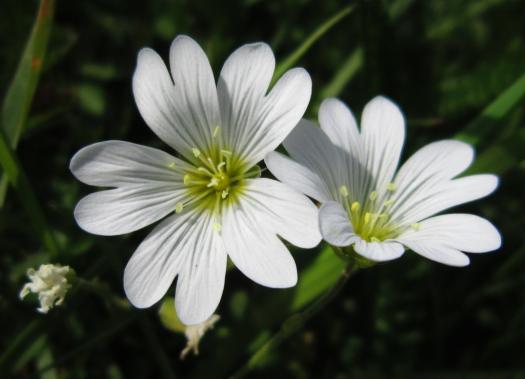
x,y
456,68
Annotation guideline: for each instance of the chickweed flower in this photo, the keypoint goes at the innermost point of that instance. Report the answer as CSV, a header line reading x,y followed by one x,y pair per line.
x,y
370,207
50,283
216,203
194,333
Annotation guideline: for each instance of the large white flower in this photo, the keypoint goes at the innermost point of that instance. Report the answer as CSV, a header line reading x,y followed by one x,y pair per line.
x,y
367,205
217,203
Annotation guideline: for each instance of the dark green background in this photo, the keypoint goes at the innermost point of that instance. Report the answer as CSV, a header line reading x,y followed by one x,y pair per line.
x,y
443,62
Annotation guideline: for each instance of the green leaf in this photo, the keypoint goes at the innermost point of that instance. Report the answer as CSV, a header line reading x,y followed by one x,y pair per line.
x,y
20,93
292,59
348,70
320,275
486,125
28,199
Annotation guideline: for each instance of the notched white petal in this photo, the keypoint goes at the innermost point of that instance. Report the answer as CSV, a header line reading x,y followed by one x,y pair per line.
x,y
379,251
335,226
297,176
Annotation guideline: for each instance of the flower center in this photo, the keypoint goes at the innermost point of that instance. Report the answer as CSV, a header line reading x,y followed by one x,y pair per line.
x,y
214,179
371,220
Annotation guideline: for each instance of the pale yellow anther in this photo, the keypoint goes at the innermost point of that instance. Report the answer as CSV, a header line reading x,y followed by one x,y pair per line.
x,y
416,226
343,190
375,239
179,207
226,152
216,227
373,195
389,202
221,165
216,131
368,216
214,182
187,179
225,193
196,152
355,206
391,187
172,165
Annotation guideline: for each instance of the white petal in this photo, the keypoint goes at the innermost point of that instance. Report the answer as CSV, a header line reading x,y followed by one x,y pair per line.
x,y
335,226
379,251
117,163
464,232
154,93
283,108
310,147
438,253
255,249
126,209
428,169
283,210
196,102
201,280
446,194
159,258
339,124
297,176
383,134
241,87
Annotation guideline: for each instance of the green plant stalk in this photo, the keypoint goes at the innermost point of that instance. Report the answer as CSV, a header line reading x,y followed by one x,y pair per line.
x,y
19,95
484,126
20,183
295,322
287,63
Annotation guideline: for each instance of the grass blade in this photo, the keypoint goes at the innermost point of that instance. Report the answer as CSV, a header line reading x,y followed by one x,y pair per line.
x,y
20,93
314,37
20,183
483,127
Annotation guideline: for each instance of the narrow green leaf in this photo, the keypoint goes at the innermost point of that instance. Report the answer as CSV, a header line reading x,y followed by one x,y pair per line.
x,y
344,75
314,37
28,199
317,278
19,96
486,125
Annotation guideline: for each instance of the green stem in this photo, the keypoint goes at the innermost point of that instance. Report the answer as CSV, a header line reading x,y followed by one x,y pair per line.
x,y
295,322
29,201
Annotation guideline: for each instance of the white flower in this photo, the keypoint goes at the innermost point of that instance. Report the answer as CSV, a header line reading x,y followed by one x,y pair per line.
x,y
194,333
49,283
367,205
217,203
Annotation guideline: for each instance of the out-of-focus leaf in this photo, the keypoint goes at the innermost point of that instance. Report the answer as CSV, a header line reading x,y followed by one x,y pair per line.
x,y
488,122
320,275
348,70
99,71
46,359
91,98
288,62
20,93
168,316
20,183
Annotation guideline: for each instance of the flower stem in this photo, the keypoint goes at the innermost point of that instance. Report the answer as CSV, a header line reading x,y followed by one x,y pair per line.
x,y
295,322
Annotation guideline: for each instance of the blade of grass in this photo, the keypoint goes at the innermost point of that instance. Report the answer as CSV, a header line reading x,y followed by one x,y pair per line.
x,y
19,95
483,127
288,62
20,183
348,69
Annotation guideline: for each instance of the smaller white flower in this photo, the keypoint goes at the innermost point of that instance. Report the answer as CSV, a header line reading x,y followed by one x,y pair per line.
x,y
370,207
194,333
50,283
